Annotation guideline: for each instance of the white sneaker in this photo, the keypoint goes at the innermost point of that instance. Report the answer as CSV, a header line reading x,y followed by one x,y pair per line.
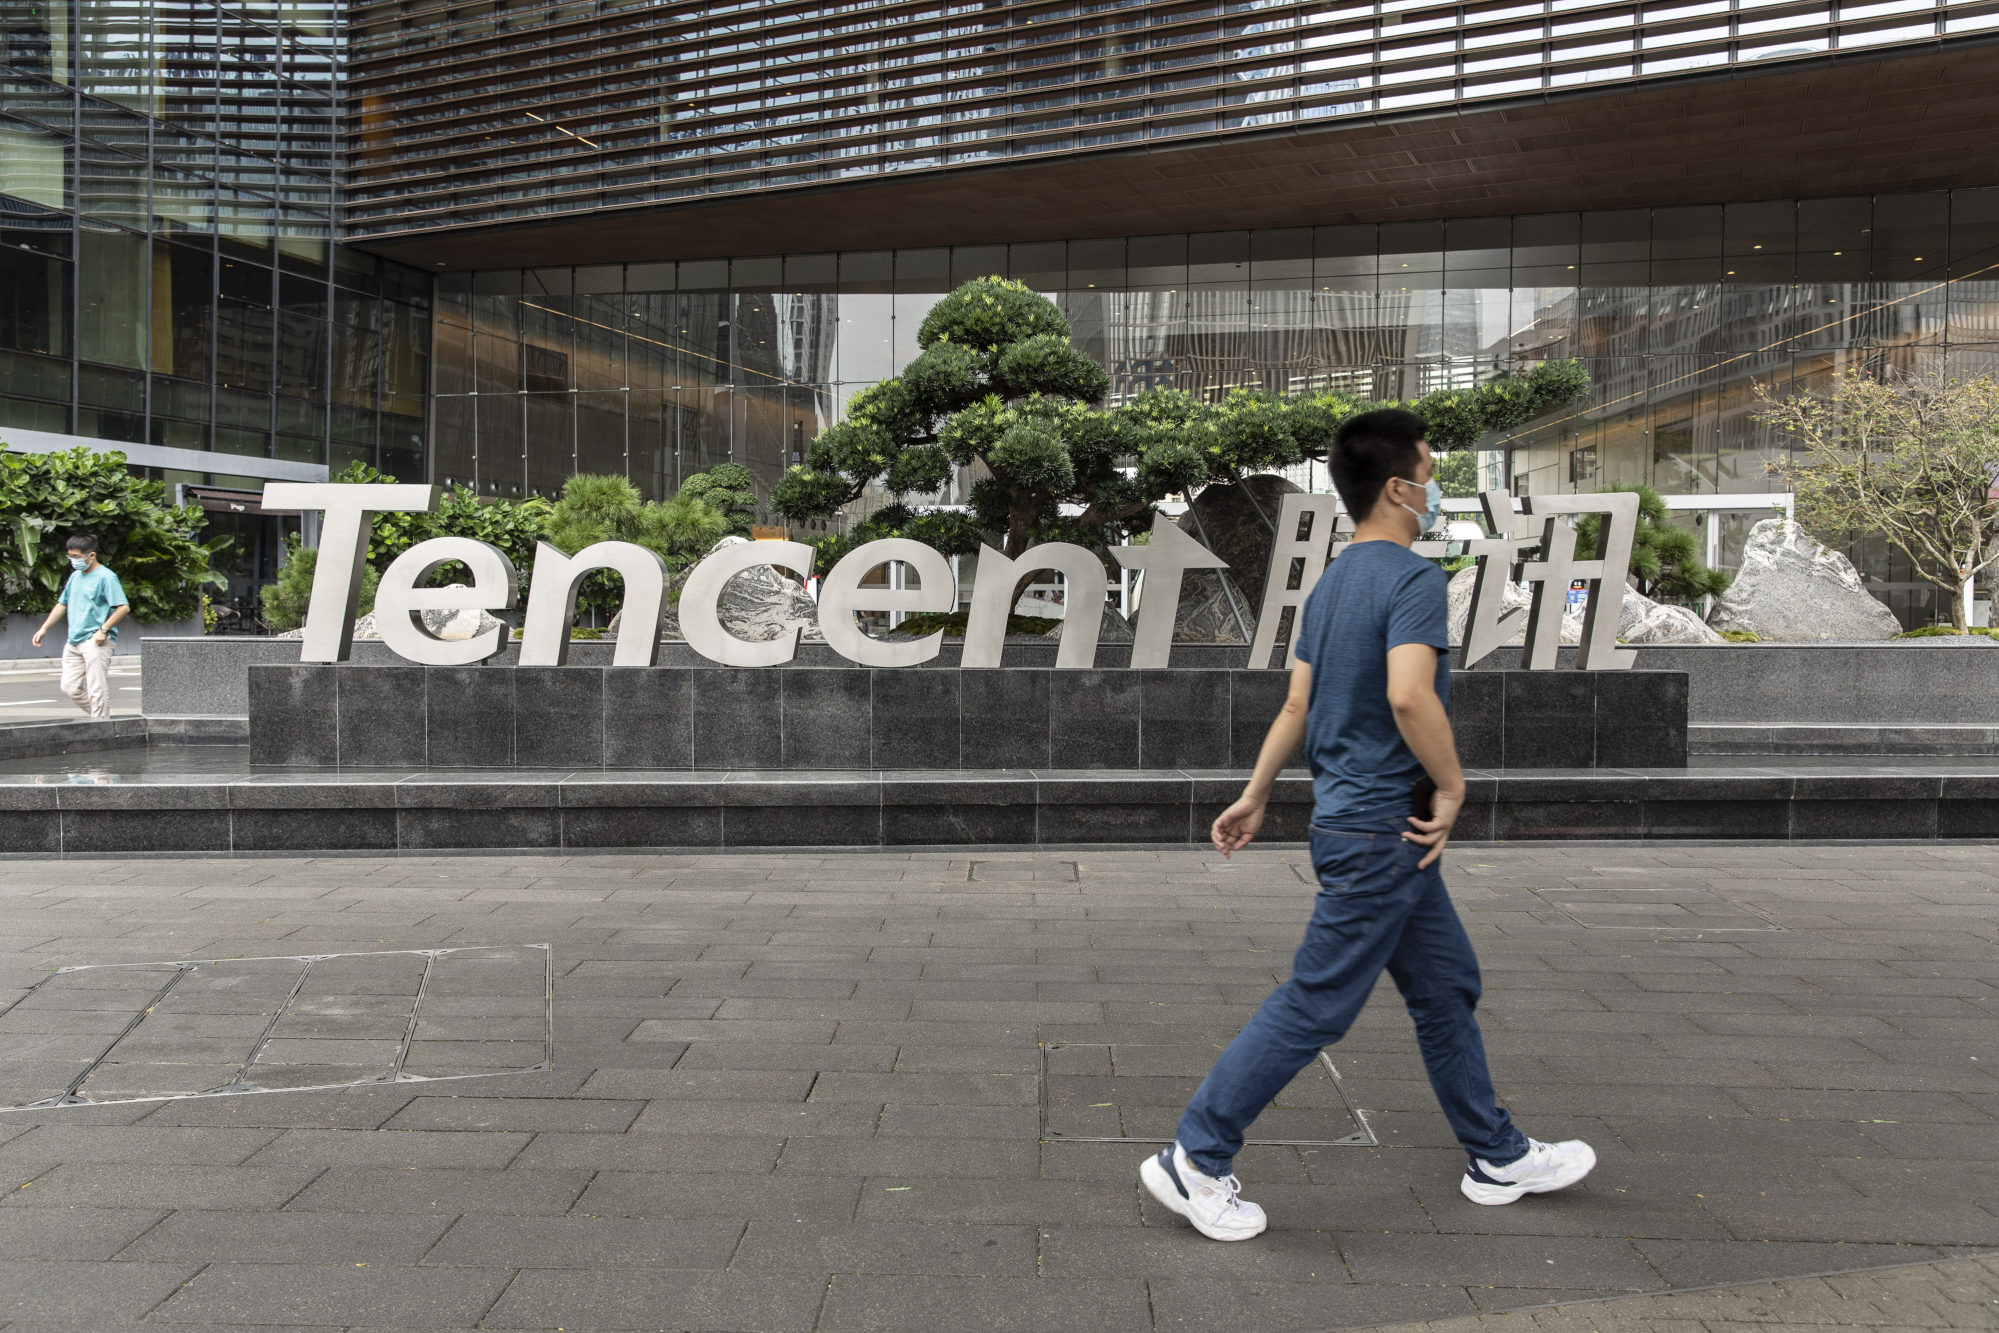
x,y
1206,1201
1546,1167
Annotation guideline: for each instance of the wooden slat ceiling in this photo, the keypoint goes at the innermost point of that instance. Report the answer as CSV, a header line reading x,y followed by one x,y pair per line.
x,y
1849,126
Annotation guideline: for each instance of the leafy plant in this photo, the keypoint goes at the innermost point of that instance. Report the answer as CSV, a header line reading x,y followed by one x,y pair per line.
x,y
154,547
953,624
606,508
1741,636
998,386
1457,474
1908,457
1665,560
284,603
727,488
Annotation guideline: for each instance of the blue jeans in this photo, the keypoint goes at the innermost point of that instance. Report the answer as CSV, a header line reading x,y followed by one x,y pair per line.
x,y
1375,909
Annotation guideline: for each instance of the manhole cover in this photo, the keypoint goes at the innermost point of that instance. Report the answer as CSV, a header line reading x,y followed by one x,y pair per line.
x,y
1026,871
213,1027
1124,1093
1678,911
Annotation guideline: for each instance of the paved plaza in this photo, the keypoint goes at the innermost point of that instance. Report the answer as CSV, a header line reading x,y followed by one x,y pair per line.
x,y
858,1092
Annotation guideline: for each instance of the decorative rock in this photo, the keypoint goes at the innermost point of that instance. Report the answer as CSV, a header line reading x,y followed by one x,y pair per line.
x,y
1791,589
1239,523
759,604
1647,621
1207,614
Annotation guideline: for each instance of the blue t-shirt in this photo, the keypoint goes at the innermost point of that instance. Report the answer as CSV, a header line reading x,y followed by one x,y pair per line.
x,y
91,595
1374,597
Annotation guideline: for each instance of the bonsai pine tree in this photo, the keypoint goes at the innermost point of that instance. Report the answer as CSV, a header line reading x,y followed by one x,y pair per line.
x,y
999,385
1665,560
726,487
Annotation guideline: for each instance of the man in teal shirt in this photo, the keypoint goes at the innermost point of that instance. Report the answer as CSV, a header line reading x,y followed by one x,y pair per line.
x,y
94,601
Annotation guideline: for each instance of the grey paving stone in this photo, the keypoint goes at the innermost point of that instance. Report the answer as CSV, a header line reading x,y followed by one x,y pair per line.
x,y
284,1294
820,1247
1222,1305
487,1114
966,1159
1564,1261
588,1242
375,1238
695,1302
652,1152
136,1185
1003,1305
367,1189
657,1194
75,1234
80,1294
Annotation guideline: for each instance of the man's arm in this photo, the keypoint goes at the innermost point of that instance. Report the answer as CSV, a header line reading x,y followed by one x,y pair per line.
x,y
1426,728
1235,826
118,612
54,615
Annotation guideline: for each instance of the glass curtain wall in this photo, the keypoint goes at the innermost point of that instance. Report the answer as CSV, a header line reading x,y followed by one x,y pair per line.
x,y
167,271
659,370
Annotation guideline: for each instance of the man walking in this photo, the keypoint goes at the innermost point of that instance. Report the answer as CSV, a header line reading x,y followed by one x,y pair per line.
x,y
1368,700
94,601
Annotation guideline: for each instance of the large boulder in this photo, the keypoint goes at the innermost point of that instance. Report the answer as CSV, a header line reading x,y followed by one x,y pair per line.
x,y
1239,523
1209,601
1791,589
1646,621
760,603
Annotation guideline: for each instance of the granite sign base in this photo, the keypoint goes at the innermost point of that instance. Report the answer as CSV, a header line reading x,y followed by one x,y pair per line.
x,y
428,812
804,719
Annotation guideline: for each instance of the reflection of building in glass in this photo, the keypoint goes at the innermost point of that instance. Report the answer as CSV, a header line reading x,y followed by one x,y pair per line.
x,y
497,245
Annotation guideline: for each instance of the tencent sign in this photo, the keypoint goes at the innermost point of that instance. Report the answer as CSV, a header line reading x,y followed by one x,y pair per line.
x,y
1537,546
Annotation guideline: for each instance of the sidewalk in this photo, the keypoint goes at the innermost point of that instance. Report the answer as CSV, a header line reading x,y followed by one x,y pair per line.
x,y
1953,1294
806,1093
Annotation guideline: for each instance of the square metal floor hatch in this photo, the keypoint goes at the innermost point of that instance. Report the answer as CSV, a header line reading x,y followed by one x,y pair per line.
x,y
213,1027
1683,911
1126,1093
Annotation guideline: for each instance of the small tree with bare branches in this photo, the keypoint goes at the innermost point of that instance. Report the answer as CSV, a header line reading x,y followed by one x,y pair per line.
x,y
1911,458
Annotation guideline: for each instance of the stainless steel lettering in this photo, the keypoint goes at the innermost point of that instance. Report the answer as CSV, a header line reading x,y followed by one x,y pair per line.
x,y
992,602
1500,558
841,595
1306,528
343,551
1605,574
552,602
400,599
1170,554
702,625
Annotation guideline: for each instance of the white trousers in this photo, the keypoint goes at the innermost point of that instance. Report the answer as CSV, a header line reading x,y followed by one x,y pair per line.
x,y
86,676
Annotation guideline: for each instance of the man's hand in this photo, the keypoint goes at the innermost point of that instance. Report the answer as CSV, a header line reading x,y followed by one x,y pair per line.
x,y
37,640
1435,831
100,638
1235,826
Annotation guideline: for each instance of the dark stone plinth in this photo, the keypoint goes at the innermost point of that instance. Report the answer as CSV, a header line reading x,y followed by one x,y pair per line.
x,y
420,811
817,719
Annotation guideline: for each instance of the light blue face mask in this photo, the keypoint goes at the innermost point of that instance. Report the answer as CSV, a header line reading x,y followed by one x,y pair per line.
x,y
1433,504
78,561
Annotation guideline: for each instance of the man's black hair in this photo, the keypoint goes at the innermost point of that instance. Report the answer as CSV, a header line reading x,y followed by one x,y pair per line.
x,y
81,541
1371,448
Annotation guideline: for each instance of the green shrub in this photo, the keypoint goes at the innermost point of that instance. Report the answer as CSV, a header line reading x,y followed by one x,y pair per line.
x,y
284,602
153,546
1741,636
1939,631
953,624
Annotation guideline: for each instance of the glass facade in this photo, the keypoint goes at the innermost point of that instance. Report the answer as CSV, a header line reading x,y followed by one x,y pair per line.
x,y
658,370
168,272
489,112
